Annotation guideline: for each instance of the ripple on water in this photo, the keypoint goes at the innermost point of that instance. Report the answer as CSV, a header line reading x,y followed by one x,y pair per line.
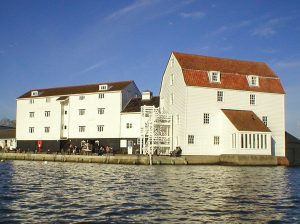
x,y
34,192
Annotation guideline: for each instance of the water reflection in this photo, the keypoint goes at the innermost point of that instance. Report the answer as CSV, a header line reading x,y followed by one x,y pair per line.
x,y
35,192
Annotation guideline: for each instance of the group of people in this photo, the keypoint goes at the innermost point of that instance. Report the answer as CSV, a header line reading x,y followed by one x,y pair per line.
x,y
87,149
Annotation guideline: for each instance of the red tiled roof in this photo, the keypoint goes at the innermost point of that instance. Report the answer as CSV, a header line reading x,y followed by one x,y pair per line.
x,y
135,104
68,90
245,120
232,81
233,73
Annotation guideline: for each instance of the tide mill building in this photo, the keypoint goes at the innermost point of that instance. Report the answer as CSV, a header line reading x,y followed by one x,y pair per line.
x,y
206,106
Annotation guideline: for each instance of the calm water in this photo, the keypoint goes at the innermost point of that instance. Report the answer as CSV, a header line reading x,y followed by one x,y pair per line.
x,y
34,192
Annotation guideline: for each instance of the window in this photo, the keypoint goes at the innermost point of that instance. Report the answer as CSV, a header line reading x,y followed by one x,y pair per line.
x,y
214,76
206,118
138,141
81,128
101,95
242,141
31,129
103,87
100,110
234,141
65,127
171,99
191,139
216,140
253,80
252,99
128,125
31,101
100,128
220,96
81,97
31,114
47,129
265,120
81,111
47,113
172,62
171,79
66,112
34,93
48,99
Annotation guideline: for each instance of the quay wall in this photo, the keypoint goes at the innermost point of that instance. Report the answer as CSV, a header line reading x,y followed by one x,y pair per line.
x,y
238,160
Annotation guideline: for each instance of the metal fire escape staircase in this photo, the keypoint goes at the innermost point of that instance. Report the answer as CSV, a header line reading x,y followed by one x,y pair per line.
x,y
156,131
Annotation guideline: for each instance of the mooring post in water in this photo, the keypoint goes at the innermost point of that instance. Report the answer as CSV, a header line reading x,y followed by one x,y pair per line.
x,y
150,158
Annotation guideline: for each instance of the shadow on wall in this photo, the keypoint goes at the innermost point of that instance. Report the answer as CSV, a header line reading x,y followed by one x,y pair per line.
x,y
273,144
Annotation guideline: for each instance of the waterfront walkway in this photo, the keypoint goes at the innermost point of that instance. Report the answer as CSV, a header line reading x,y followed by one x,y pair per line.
x,y
248,160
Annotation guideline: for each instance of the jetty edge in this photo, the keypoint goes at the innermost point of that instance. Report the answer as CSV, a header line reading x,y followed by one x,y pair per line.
x,y
227,159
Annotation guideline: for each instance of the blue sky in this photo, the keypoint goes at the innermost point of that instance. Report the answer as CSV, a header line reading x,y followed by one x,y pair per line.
x,y
53,43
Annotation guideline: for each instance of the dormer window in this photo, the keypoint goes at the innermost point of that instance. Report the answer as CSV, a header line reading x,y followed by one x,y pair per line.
x,y
253,80
103,87
214,76
34,93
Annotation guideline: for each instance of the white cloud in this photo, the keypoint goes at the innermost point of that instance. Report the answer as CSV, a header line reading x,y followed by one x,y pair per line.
x,y
193,15
128,9
295,63
92,67
232,26
270,27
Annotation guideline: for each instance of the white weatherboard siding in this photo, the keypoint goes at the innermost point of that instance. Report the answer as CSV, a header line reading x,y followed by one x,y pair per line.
x,y
64,119
190,103
202,100
179,103
228,130
110,119
133,118
39,121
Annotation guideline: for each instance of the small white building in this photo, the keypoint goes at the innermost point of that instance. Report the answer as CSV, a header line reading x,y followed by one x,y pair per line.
x,y
131,121
223,106
7,138
51,119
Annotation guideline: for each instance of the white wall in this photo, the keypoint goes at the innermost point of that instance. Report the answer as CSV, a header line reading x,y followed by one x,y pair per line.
x,y
179,104
111,119
190,103
39,121
202,100
135,119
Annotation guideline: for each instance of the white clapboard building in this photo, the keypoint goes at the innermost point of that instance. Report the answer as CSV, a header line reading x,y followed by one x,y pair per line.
x,y
131,121
57,117
223,106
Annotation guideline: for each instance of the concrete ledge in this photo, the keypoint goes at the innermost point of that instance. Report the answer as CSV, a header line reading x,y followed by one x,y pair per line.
x,y
237,160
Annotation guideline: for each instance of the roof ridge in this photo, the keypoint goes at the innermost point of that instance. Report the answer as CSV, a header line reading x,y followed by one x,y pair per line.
x,y
59,87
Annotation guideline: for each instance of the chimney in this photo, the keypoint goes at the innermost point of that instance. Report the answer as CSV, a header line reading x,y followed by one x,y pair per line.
x,y
147,95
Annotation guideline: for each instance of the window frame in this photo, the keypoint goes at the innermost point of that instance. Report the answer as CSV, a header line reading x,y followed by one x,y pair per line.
x,y
252,99
206,118
101,110
81,112
81,129
47,129
220,96
191,139
31,130
100,128
47,113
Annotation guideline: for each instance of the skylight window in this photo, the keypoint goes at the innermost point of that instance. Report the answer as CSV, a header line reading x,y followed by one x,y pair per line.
x,y
253,80
214,76
34,93
103,87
